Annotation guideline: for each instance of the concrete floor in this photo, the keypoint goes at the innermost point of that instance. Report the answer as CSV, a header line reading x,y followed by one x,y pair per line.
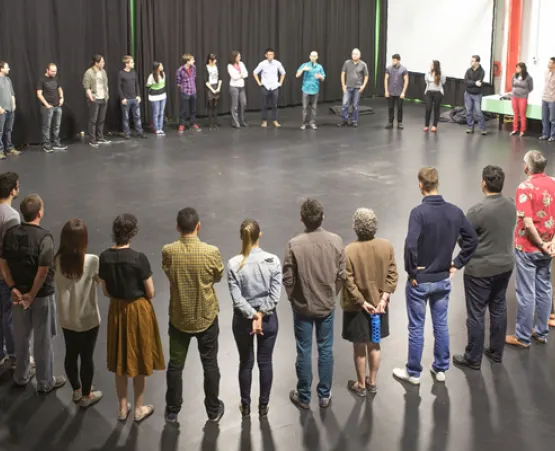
x,y
229,175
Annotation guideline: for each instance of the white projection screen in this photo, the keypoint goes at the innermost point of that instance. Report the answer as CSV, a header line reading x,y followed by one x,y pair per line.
x,y
450,31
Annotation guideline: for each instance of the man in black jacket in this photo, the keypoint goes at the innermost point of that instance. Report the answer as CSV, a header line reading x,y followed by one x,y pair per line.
x,y
474,79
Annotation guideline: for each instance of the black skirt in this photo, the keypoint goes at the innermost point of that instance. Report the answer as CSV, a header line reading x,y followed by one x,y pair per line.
x,y
210,95
356,326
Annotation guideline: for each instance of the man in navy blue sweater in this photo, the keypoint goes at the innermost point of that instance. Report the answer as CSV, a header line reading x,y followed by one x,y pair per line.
x,y
434,227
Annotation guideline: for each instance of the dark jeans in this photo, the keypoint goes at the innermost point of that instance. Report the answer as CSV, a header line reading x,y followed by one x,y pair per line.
x,y
392,102
312,100
324,338
51,123
242,328
548,119
6,322
6,126
473,105
437,293
433,101
350,97
208,350
80,345
97,116
187,107
269,99
134,106
486,293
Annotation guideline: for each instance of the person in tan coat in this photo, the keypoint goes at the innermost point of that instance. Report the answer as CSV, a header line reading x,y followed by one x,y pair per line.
x,y
371,279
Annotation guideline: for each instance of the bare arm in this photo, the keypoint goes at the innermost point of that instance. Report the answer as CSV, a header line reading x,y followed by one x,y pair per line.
x,y
343,82
405,85
257,79
386,84
61,96
42,99
533,235
363,87
149,288
281,79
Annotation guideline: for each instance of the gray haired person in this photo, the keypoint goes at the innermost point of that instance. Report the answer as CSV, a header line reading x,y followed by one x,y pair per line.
x,y
371,279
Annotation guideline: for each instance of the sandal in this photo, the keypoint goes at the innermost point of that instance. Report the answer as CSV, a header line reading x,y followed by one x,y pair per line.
x,y
122,416
373,389
352,385
146,411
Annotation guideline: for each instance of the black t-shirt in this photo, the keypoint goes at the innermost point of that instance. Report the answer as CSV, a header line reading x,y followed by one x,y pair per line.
x,y
124,271
49,87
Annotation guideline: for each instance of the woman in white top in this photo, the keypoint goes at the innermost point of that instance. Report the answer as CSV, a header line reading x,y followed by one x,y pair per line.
x,y
156,84
76,276
237,72
433,94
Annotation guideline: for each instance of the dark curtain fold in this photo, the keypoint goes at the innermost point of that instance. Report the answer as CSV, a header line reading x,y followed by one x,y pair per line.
x,y
66,32
168,28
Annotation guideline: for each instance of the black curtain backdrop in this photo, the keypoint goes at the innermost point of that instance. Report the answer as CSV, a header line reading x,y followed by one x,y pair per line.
x,y
168,28
66,32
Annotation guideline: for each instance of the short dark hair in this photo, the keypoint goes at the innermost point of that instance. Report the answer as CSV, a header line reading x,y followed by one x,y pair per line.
x,y
494,178
30,207
269,49
429,178
187,220
96,59
124,228
477,58
312,214
396,56
552,59
8,182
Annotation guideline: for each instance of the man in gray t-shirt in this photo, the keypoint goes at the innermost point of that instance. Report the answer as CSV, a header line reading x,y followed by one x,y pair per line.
x,y
9,217
7,111
354,77
396,84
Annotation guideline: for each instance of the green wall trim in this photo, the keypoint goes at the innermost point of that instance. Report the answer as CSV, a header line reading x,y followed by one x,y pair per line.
x,y
132,28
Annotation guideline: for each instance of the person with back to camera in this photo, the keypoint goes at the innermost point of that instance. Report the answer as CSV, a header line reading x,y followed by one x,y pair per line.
x,y
435,81
474,80
371,279
523,85
237,75
254,280
76,277
396,83
134,346
213,85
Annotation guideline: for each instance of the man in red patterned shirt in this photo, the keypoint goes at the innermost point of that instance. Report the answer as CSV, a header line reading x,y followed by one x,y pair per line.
x,y
534,233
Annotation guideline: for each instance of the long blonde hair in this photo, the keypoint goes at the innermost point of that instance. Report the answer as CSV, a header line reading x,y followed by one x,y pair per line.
x,y
250,232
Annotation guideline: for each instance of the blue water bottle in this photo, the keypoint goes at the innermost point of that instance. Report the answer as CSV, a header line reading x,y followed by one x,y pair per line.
x,y
375,328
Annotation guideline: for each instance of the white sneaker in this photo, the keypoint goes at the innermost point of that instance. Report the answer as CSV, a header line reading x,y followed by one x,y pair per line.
x,y
3,360
77,395
439,375
403,374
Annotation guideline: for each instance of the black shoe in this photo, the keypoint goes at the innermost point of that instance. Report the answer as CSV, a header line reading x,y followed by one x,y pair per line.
x,y
491,356
342,124
59,146
104,141
142,136
219,415
244,124
400,126
389,126
469,131
93,144
127,137
48,148
263,410
245,410
461,360
355,124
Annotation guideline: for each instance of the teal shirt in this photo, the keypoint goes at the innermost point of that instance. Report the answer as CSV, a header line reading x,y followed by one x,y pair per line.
x,y
311,85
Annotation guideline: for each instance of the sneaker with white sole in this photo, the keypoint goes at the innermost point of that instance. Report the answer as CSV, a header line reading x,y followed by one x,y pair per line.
x,y
77,395
403,374
438,375
90,400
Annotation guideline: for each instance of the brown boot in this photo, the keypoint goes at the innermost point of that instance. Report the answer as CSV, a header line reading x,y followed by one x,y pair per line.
x,y
513,341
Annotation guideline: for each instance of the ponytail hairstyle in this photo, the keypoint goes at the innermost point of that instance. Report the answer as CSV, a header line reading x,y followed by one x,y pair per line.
x,y
250,233
437,72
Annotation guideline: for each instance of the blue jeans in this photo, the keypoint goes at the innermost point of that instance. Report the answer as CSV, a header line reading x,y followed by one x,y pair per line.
x,y
134,106
51,122
324,339
548,119
6,126
533,294
473,105
6,326
158,109
351,96
438,295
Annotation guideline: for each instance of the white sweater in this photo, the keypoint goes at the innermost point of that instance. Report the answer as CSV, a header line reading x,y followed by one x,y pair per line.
x,y
78,299
237,77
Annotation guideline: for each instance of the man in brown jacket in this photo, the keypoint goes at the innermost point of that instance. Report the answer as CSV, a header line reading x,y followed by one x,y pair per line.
x,y
371,278
313,275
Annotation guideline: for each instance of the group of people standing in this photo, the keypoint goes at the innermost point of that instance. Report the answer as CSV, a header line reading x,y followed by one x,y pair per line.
x,y
316,269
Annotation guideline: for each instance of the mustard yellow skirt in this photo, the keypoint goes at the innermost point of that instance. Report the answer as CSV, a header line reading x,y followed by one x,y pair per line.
x,y
134,345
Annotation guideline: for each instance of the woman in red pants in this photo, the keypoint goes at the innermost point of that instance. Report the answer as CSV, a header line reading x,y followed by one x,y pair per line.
x,y
523,84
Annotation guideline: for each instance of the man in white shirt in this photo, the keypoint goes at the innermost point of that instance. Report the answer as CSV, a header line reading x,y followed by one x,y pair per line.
x,y
273,75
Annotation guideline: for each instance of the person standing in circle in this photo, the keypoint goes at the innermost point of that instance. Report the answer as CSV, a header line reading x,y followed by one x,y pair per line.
x,y
523,85
272,76
433,94
238,74
95,83
156,84
134,346
354,78
312,73
213,88
254,280
396,84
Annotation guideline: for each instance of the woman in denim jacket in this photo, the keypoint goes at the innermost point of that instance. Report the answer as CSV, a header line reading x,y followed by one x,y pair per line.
x,y
254,279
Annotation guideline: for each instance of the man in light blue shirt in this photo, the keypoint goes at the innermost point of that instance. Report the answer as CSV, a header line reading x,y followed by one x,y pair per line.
x,y
312,73
273,75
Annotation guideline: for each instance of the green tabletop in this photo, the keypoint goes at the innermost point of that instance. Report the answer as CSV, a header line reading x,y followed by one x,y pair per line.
x,y
493,104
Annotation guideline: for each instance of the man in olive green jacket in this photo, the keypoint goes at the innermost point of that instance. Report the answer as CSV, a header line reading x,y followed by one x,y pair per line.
x,y
95,82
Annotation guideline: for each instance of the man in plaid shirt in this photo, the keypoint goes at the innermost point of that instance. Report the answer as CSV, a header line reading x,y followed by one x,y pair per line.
x,y
186,77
